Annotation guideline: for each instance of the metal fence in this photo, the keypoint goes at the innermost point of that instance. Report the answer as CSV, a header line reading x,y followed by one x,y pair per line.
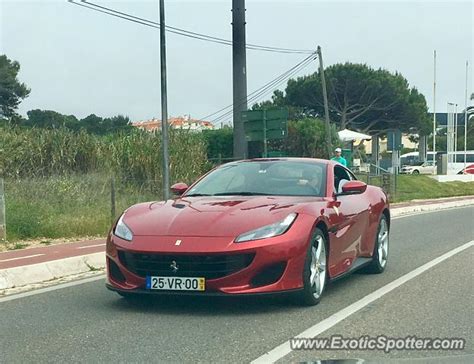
x,y
87,205
388,182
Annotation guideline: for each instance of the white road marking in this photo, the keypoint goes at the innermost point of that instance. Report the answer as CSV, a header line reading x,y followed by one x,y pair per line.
x,y
18,258
285,349
90,246
51,288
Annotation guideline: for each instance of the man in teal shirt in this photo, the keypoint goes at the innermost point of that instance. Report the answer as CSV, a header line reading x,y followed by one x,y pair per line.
x,y
339,158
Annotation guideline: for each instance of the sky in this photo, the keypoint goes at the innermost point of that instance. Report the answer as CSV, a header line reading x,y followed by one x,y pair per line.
x,y
77,61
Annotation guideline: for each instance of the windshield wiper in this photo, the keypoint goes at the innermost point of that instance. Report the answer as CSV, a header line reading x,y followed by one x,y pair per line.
x,y
197,195
242,193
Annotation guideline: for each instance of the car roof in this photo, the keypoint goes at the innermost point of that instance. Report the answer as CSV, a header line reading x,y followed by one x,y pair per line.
x,y
289,159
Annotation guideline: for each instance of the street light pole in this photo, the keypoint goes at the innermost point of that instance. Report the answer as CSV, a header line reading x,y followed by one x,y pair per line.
x,y
164,104
465,117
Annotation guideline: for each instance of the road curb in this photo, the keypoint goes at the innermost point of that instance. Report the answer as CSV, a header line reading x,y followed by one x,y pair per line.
x,y
407,210
42,272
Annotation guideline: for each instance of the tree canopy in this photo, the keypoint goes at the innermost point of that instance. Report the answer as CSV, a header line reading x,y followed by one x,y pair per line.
x,y
359,97
93,124
12,91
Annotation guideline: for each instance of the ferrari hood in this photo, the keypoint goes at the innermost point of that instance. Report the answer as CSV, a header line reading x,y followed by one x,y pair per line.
x,y
217,216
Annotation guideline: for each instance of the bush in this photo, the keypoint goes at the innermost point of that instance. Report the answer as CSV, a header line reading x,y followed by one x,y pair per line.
x,y
58,182
220,143
28,153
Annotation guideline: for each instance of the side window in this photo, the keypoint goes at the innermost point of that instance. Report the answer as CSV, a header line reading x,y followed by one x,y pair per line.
x,y
341,176
469,158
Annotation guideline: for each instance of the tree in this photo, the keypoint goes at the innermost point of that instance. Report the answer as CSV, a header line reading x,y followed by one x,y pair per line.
x,y
307,138
93,124
117,123
360,98
220,143
96,125
12,91
50,119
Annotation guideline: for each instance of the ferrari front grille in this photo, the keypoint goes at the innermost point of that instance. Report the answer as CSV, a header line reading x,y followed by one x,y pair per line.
x,y
172,265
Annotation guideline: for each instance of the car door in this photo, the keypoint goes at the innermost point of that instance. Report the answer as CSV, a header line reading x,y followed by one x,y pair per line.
x,y
350,223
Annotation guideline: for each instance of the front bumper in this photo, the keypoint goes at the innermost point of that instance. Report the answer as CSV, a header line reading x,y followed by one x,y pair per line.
x,y
283,255
147,292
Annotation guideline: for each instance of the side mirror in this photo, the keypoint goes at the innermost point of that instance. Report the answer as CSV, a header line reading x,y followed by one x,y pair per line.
x,y
354,187
179,188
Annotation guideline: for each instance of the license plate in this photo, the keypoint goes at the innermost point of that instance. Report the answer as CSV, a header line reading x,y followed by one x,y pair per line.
x,y
176,283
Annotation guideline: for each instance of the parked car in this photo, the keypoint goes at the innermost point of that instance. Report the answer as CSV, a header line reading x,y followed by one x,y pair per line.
x,y
468,170
280,225
428,167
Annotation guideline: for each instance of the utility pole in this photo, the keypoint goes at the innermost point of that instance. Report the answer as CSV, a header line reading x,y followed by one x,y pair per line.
x,y
164,104
239,76
455,131
326,106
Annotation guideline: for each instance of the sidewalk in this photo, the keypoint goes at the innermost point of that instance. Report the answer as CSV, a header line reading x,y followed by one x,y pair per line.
x,y
34,265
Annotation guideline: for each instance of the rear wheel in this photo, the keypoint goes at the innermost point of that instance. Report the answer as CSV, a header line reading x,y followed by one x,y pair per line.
x,y
315,269
380,255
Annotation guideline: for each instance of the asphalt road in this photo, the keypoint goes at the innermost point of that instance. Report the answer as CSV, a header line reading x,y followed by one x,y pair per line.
x,y
87,323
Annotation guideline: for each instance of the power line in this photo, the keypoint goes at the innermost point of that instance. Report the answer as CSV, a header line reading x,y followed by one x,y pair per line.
x,y
251,96
265,89
258,96
179,31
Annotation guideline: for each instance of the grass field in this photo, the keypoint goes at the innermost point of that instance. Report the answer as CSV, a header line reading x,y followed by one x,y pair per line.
x,y
416,187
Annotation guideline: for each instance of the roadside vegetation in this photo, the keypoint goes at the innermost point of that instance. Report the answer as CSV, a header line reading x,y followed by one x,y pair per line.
x,y
416,187
422,187
61,173
58,182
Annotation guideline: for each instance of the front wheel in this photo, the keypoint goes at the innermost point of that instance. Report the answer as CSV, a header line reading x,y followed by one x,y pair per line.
x,y
416,171
315,269
380,255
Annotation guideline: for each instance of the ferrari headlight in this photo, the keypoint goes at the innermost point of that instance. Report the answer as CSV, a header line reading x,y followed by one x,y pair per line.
x,y
268,231
122,230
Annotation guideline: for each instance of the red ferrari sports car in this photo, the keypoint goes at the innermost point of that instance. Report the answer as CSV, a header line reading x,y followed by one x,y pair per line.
x,y
252,227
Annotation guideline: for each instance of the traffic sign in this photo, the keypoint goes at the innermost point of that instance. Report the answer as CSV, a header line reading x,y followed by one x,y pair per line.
x,y
266,124
394,140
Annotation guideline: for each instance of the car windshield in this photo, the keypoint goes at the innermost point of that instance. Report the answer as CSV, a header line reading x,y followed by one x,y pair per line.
x,y
274,177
